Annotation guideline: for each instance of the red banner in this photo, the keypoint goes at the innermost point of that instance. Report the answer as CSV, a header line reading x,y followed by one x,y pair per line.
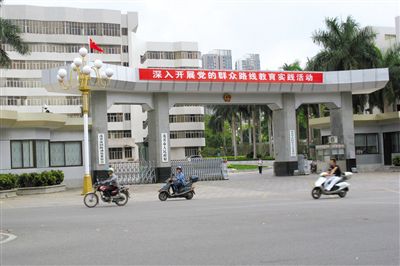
x,y
200,75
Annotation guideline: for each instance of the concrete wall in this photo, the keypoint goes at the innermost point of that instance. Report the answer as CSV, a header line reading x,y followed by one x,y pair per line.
x,y
178,153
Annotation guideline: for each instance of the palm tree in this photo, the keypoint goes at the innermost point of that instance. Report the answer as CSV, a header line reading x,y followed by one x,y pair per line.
x,y
345,46
229,113
10,34
391,92
295,66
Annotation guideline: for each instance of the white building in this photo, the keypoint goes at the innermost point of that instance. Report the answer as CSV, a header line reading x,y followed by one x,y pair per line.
x,y
217,59
186,122
248,62
385,37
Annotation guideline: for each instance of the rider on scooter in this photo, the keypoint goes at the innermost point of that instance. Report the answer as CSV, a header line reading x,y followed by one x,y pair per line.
x,y
180,179
334,174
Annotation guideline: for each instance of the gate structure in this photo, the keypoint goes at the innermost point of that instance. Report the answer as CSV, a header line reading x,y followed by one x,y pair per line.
x,y
205,169
130,173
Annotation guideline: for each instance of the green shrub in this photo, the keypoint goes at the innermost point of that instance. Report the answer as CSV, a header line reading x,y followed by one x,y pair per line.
x,y
25,180
396,161
47,179
8,181
59,176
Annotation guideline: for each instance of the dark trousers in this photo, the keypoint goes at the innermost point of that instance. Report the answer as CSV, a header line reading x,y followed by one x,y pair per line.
x,y
260,169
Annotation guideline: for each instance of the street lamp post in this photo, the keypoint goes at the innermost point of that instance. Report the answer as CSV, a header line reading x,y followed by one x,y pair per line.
x,y
83,70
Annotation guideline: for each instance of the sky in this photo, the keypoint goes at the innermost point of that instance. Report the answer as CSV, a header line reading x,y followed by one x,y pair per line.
x,y
280,31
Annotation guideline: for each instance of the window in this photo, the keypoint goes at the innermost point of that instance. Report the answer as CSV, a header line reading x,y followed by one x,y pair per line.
x,y
66,153
125,48
189,151
128,152
22,154
126,64
186,118
127,116
119,134
366,144
42,153
124,31
115,153
115,117
395,142
189,134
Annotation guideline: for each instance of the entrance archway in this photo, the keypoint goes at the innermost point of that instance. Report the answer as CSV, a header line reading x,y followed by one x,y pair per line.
x,y
159,89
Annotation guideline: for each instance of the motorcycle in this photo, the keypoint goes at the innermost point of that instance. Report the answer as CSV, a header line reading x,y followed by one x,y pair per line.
x,y
341,187
313,167
118,196
186,191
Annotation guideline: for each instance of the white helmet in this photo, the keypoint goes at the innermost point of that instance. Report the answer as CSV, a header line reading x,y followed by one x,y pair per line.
x,y
111,169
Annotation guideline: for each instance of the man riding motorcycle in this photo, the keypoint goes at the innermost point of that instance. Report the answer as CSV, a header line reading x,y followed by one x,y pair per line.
x,y
179,180
112,180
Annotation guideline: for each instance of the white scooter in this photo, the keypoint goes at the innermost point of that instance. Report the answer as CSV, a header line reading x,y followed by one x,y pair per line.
x,y
341,187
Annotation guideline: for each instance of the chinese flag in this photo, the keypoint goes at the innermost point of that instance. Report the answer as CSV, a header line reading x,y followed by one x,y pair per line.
x,y
93,45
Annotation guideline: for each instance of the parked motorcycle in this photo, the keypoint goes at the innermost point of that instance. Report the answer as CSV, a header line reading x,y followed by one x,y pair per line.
x,y
186,191
341,187
91,199
313,167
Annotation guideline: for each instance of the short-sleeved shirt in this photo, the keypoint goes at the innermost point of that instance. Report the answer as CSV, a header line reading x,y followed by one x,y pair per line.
x,y
338,172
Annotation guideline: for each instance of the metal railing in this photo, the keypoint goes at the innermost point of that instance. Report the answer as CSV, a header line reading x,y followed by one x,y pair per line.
x,y
129,173
205,169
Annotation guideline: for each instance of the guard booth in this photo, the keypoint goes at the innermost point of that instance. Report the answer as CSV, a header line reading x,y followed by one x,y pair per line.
x,y
331,150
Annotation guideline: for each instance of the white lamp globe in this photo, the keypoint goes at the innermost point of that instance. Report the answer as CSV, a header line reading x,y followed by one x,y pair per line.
x,y
98,64
86,70
103,75
73,66
78,62
83,52
62,73
109,72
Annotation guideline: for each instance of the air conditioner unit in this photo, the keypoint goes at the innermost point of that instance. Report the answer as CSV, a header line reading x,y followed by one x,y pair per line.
x,y
333,139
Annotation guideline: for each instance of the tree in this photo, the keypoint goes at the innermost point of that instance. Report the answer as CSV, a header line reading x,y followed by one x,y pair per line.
x,y
345,46
295,66
229,113
10,34
391,92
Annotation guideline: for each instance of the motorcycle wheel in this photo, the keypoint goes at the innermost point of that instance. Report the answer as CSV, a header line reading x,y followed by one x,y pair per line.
x,y
123,199
163,196
316,193
189,195
342,194
91,200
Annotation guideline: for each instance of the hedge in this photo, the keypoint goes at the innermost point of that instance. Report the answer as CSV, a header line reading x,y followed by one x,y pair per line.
x,y
8,181
46,178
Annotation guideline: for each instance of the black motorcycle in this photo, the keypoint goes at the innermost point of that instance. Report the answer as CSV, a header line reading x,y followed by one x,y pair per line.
x,y
186,191
108,194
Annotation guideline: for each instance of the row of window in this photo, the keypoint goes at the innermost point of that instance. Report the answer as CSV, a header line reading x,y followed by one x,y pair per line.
x,y
36,64
118,117
66,48
42,153
20,83
39,101
170,55
186,118
117,153
68,27
119,134
187,134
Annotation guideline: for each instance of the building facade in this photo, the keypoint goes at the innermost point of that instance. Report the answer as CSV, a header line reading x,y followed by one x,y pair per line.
x,y
217,59
186,122
248,62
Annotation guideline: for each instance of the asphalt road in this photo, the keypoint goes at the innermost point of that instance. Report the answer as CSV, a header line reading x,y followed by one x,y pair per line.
x,y
250,219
